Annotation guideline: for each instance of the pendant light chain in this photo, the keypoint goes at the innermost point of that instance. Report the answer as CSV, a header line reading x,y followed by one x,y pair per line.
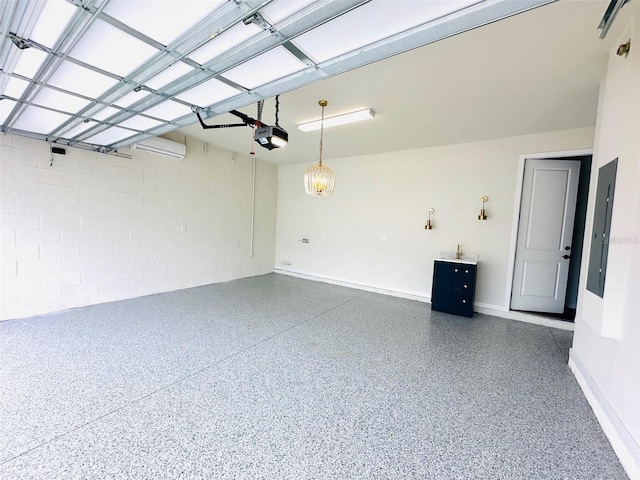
x,y
251,152
321,133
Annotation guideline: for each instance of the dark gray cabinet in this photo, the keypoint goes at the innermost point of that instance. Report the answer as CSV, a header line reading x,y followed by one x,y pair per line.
x,y
454,286
601,228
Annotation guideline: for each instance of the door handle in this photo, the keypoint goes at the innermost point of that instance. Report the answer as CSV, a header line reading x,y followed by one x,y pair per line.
x,y
566,256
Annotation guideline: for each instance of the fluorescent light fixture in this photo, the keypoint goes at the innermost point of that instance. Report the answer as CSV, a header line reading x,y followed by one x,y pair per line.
x,y
343,119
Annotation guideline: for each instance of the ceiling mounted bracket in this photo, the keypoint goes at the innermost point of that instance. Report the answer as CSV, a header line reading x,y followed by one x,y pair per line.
x,y
257,19
19,42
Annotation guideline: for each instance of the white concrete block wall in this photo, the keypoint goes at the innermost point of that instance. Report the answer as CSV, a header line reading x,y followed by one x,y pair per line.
x,y
95,228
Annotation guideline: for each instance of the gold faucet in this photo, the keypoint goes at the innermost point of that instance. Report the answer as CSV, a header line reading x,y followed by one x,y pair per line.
x,y
458,253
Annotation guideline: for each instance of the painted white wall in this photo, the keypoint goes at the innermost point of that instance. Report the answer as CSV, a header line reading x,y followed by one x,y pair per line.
x,y
370,232
605,354
94,228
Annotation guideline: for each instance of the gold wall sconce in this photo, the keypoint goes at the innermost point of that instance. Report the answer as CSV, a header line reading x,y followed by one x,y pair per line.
x,y
624,49
429,226
483,215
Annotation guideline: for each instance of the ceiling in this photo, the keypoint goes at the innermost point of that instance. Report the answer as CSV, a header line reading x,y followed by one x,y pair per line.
x,y
535,72
103,74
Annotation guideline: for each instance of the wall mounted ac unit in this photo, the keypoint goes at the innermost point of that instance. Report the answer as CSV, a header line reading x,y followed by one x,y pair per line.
x,y
162,146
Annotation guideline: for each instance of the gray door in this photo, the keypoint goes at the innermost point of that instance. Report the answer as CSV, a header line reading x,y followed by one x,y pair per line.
x,y
545,230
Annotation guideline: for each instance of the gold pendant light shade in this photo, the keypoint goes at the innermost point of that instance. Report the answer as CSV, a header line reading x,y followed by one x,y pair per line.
x,y
320,179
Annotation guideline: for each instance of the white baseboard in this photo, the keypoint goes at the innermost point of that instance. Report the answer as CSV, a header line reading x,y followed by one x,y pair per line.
x,y
487,309
420,297
623,444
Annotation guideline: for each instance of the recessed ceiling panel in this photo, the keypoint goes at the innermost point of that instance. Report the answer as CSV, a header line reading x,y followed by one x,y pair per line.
x,y
371,22
169,110
163,21
208,93
109,136
52,22
15,87
277,11
224,42
51,98
274,64
77,79
140,122
39,120
29,62
109,48
168,75
6,106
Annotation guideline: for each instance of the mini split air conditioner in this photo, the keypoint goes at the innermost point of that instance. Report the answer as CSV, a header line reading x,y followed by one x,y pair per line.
x,y
162,146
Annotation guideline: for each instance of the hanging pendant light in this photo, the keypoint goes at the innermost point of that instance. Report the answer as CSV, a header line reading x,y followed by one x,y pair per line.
x,y
319,179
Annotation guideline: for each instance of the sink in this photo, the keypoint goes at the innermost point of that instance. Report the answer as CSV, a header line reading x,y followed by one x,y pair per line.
x,y
471,258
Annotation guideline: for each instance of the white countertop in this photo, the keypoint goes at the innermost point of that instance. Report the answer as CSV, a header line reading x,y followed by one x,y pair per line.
x,y
468,258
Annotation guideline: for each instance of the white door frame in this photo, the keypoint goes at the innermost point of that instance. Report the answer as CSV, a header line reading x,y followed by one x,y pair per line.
x,y
518,203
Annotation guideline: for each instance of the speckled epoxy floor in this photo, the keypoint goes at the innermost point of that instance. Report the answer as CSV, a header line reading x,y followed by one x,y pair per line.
x,y
278,377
